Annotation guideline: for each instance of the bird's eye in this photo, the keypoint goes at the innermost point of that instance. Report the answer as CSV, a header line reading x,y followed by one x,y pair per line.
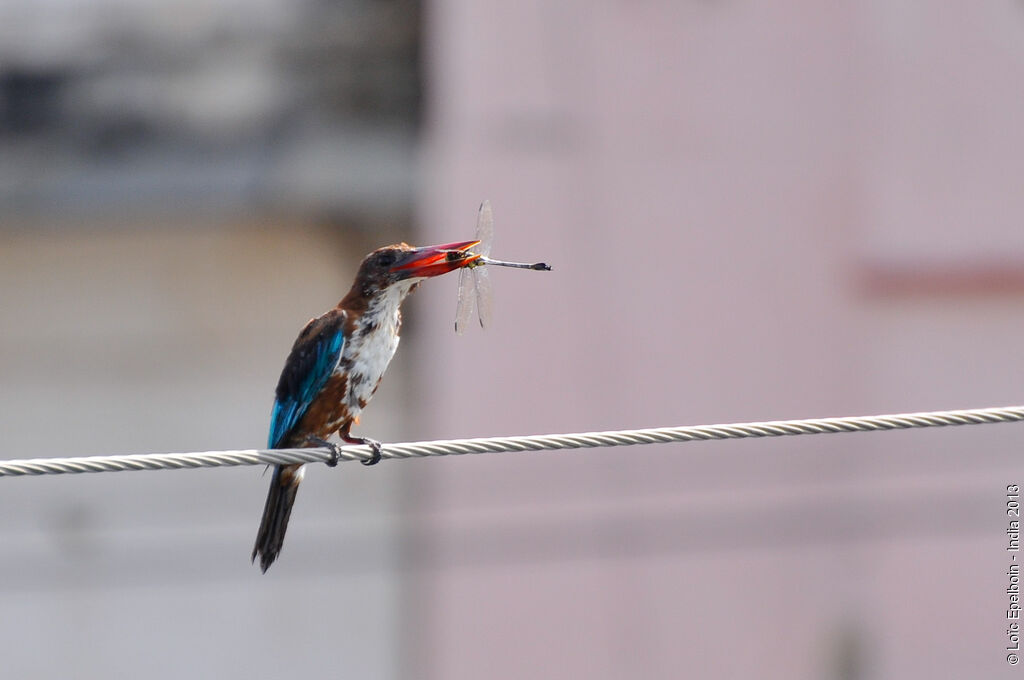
x,y
386,259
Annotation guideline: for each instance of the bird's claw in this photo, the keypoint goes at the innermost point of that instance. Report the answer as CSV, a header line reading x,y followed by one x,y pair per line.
x,y
375,446
335,450
335,454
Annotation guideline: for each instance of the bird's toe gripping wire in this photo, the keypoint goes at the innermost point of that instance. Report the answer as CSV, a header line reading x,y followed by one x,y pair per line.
x,y
335,449
374,445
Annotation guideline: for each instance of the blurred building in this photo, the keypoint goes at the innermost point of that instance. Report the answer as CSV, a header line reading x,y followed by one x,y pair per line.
x,y
754,212
182,186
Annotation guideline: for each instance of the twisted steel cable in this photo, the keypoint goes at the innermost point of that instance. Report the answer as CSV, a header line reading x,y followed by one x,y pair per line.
x,y
451,447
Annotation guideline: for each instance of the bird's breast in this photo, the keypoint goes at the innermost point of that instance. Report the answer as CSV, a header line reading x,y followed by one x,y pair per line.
x,y
365,358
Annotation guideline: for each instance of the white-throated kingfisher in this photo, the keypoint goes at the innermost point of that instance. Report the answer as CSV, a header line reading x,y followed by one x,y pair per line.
x,y
336,365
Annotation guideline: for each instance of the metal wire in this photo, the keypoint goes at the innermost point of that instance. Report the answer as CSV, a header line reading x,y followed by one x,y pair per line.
x,y
452,447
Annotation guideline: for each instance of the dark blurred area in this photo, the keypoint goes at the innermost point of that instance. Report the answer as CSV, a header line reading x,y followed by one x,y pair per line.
x,y
208,106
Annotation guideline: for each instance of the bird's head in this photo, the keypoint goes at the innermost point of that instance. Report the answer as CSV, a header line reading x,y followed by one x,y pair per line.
x,y
391,265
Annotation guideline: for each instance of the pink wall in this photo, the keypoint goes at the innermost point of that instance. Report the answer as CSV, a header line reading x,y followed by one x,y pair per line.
x,y
718,186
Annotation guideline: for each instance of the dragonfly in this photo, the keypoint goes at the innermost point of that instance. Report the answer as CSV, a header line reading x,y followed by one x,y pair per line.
x,y
474,281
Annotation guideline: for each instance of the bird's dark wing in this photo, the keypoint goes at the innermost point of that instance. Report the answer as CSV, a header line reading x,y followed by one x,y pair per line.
x,y
312,360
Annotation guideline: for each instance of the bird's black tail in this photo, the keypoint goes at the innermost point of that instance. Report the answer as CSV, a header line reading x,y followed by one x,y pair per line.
x,y
269,539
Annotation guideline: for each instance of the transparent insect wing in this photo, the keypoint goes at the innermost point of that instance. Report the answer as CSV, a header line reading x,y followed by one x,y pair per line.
x,y
485,229
475,282
483,296
467,299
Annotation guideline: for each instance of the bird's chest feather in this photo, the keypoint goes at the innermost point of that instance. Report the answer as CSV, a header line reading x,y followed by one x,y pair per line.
x,y
366,357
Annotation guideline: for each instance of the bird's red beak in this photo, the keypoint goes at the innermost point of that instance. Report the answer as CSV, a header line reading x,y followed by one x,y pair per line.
x,y
436,260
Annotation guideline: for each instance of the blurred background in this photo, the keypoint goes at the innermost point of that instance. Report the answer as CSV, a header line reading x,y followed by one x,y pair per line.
x,y
755,210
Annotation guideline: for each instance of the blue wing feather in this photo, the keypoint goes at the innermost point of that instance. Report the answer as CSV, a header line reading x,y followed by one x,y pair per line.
x,y
310,364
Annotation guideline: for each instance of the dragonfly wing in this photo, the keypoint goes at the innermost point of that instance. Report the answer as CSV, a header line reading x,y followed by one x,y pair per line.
x,y
484,229
474,282
482,280
467,295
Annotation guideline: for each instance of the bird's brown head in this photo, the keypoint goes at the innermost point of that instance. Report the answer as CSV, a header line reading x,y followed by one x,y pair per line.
x,y
401,262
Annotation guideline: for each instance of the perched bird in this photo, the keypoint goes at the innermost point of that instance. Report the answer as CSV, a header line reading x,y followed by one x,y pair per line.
x,y
336,365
